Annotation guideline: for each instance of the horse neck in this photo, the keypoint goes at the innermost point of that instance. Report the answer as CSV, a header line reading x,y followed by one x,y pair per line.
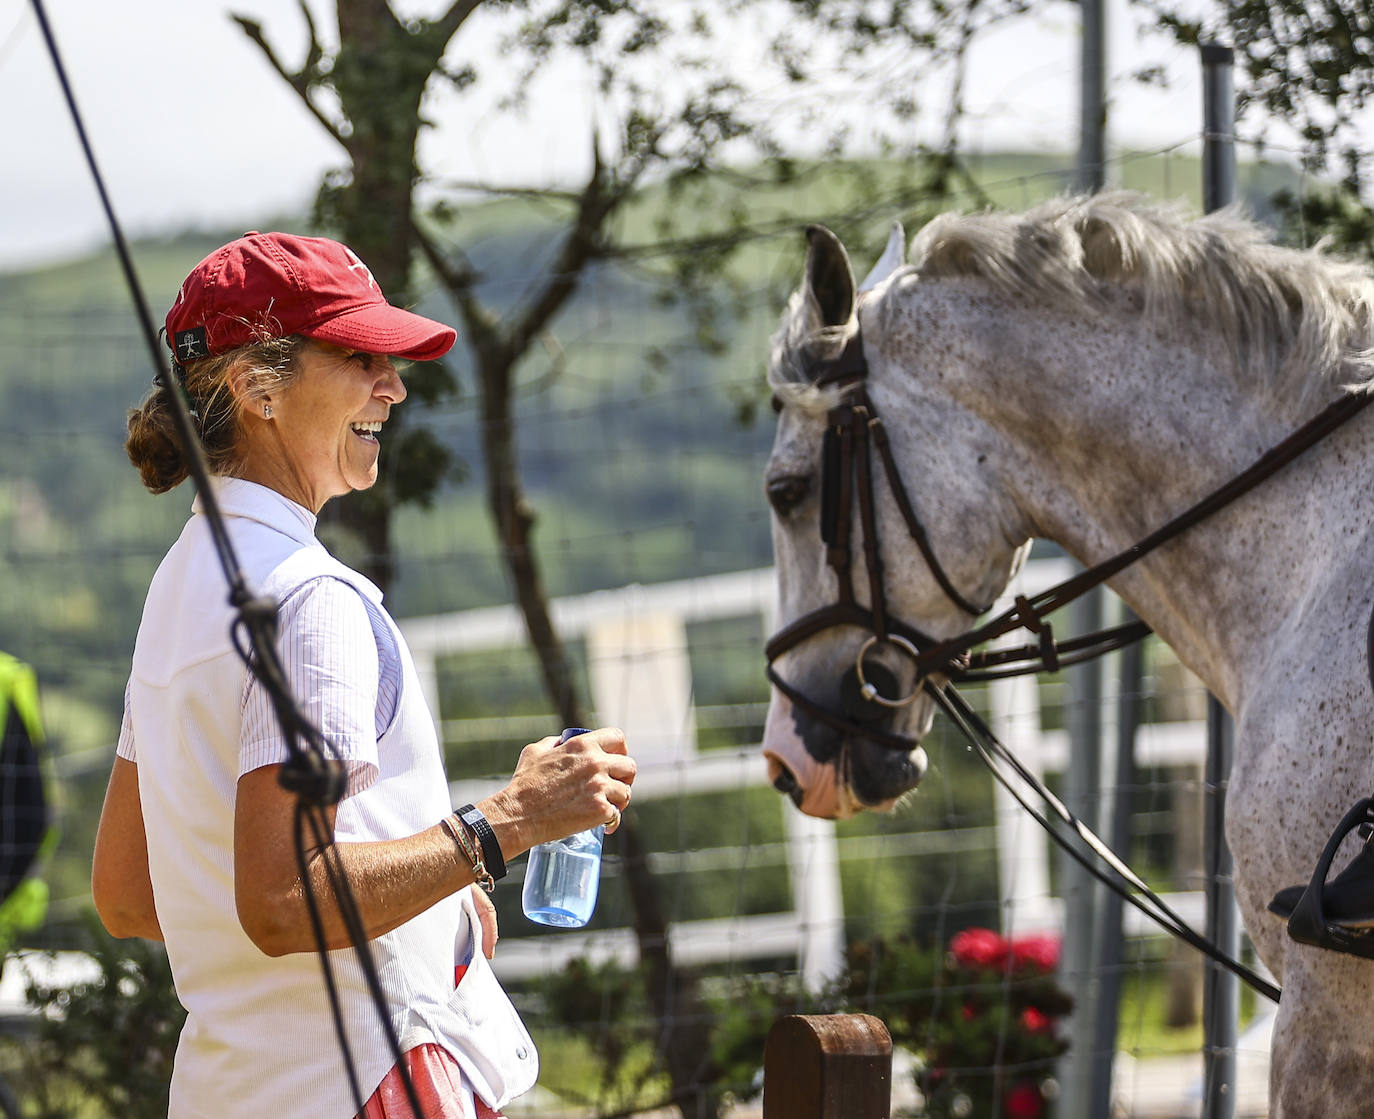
x,y
1115,429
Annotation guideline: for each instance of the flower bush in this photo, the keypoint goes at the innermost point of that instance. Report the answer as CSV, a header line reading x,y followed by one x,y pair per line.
x,y
982,1013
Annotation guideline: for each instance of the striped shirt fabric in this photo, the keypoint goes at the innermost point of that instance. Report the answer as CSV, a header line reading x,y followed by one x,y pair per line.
x,y
327,622
324,614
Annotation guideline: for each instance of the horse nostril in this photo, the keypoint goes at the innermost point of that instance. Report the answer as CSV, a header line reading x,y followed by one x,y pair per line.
x,y
786,783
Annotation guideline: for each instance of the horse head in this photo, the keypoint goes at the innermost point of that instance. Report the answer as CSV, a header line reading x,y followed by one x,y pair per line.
x,y
870,568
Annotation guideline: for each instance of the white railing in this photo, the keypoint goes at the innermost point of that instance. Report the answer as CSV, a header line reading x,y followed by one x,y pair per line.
x,y
640,677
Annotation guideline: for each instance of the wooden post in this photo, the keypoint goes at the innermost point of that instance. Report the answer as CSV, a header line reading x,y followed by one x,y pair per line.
x,y
827,1066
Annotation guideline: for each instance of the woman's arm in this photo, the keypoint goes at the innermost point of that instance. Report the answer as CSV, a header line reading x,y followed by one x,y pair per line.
x,y
555,791
120,884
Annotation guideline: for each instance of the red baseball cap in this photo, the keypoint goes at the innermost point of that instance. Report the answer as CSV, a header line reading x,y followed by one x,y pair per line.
x,y
280,284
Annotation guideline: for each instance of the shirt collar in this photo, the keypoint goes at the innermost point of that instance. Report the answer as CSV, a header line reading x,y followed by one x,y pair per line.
x,y
239,498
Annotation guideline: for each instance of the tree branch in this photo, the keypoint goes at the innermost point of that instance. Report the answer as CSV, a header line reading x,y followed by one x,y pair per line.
x,y
447,24
583,244
459,280
299,80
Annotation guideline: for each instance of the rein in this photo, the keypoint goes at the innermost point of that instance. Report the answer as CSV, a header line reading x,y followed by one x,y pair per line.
x,y
853,430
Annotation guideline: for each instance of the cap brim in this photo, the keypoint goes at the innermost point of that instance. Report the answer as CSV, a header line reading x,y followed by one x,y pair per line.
x,y
380,328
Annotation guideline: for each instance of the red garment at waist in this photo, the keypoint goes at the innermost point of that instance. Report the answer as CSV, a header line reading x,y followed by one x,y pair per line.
x,y
437,1079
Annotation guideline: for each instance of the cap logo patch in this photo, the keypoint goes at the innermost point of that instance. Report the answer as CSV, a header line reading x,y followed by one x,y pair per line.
x,y
359,264
191,344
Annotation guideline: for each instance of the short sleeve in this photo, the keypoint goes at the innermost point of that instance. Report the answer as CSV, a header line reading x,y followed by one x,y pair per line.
x,y
125,749
329,656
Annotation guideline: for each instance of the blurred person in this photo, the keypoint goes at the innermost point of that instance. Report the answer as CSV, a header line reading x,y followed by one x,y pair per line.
x,y
284,349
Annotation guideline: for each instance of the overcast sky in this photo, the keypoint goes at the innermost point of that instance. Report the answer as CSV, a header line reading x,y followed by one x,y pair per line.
x,y
191,126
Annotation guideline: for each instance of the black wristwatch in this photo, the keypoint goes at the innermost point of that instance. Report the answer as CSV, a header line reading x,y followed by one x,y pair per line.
x,y
495,862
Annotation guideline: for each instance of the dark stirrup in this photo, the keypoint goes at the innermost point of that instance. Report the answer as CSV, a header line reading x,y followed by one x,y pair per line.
x,y
1310,923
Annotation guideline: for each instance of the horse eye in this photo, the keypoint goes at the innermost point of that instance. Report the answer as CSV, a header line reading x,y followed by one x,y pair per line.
x,y
786,493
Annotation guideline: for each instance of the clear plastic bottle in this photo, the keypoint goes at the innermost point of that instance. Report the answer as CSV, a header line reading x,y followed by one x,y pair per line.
x,y
562,877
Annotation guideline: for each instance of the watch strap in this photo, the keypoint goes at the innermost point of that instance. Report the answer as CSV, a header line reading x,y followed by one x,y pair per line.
x,y
495,861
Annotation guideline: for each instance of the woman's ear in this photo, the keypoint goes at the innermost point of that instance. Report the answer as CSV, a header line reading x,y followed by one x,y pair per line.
x,y
247,396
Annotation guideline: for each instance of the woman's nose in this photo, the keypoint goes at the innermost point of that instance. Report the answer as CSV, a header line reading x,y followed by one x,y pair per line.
x,y
391,388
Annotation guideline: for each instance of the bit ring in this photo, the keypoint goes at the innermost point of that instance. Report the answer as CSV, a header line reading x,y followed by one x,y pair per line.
x,y
870,691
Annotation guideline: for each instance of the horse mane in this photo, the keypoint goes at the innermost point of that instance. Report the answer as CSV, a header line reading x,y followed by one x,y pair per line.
x,y
1293,317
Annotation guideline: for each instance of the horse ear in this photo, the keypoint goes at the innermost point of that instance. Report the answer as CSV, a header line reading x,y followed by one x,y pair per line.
x,y
828,275
894,256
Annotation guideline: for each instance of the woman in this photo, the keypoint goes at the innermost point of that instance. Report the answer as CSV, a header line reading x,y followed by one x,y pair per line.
x,y
284,346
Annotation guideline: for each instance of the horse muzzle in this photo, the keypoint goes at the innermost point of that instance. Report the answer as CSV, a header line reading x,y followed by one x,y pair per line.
x,y
834,772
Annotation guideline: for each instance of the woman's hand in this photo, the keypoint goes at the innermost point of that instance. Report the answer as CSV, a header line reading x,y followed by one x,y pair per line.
x,y
561,788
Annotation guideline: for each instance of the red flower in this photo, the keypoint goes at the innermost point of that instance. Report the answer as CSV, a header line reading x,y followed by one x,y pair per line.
x,y
979,948
967,1011
1038,952
1036,1020
1024,1101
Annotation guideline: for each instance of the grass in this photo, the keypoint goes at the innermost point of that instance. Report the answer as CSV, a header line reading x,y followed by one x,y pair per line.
x,y
571,1070
1146,993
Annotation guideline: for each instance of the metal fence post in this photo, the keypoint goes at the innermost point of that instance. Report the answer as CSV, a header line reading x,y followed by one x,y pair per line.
x,y
1081,1070
1080,890
1221,989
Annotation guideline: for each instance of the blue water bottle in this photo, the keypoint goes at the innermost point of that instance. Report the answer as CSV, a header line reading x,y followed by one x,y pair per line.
x,y
562,877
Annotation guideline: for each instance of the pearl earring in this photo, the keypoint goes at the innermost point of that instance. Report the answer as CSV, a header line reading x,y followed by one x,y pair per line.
x,y
267,411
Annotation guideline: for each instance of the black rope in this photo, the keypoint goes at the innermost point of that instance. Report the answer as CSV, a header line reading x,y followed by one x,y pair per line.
x,y
313,771
326,966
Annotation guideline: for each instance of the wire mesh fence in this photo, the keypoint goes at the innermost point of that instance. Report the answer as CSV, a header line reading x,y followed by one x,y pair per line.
x,y
643,458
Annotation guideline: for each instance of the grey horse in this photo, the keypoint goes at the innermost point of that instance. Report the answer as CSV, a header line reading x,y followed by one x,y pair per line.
x,y
1082,372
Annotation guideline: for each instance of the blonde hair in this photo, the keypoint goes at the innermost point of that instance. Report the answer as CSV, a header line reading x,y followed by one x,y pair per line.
x,y
154,444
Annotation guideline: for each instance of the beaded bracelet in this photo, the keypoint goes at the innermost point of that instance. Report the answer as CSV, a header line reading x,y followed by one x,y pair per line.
x,y
459,834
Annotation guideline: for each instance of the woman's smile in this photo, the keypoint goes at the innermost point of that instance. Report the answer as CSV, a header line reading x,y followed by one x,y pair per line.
x,y
322,437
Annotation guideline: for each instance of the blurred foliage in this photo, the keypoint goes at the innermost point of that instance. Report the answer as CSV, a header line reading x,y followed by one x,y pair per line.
x,y
1336,214
104,1047
981,1013
604,1005
1304,69
1304,78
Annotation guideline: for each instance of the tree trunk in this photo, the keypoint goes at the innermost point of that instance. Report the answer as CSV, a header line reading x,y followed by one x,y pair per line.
x,y
684,1035
380,76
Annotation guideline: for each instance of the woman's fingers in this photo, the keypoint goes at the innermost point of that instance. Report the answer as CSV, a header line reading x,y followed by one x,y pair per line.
x,y
486,915
563,787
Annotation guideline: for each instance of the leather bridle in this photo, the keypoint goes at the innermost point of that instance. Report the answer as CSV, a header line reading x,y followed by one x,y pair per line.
x,y
853,429
853,432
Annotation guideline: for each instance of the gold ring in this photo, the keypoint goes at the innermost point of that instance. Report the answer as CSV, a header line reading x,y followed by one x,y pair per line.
x,y
614,821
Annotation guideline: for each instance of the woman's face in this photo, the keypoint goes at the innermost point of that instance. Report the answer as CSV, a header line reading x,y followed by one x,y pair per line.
x,y
321,440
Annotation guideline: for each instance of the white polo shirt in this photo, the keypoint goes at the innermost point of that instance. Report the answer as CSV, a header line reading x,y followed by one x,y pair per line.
x,y
259,1038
